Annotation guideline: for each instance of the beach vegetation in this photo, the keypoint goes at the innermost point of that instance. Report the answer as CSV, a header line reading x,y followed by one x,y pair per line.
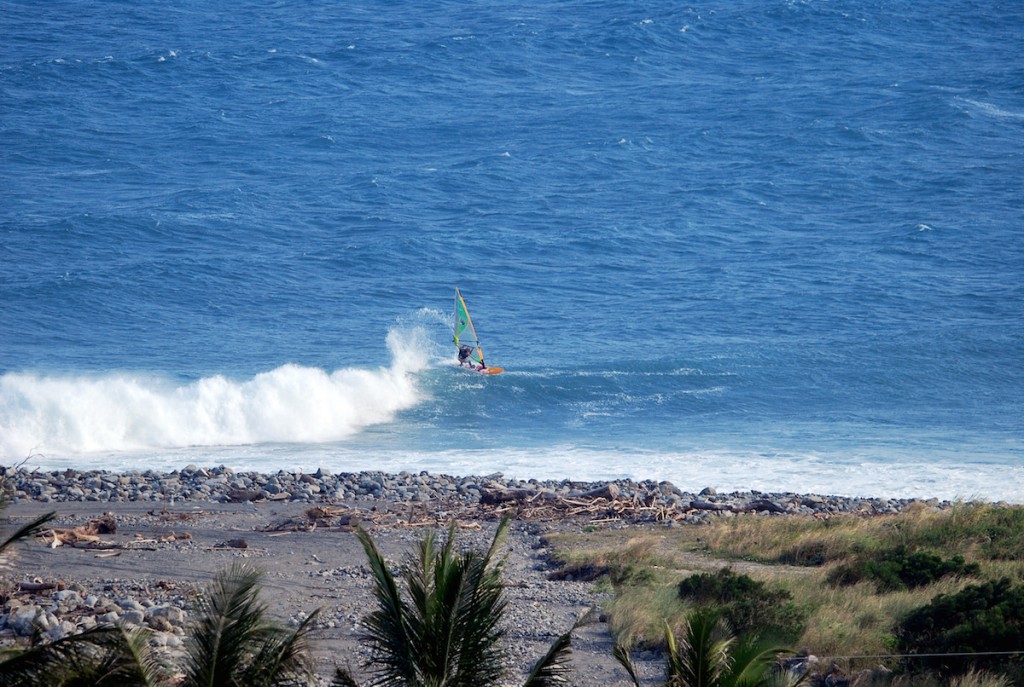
x,y
13,535
983,531
750,606
853,581
638,615
29,529
635,561
234,643
444,629
898,569
980,678
105,656
707,654
980,618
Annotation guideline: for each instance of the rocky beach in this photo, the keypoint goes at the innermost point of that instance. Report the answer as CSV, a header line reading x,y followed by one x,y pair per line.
x,y
136,547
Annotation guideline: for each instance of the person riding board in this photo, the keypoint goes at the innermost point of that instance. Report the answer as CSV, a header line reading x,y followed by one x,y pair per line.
x,y
464,353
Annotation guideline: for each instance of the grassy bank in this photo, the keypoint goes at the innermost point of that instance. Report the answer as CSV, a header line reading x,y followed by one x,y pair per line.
x,y
834,587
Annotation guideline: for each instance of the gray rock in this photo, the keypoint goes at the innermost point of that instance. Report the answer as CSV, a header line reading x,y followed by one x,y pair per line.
x,y
68,597
61,630
171,613
134,617
24,620
130,605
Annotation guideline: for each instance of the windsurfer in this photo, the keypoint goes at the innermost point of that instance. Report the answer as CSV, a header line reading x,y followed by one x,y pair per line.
x,y
464,353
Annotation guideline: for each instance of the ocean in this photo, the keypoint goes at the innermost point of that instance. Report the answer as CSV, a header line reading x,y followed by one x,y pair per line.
x,y
770,245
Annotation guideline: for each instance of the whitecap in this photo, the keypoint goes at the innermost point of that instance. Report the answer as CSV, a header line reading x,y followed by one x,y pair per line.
x,y
992,110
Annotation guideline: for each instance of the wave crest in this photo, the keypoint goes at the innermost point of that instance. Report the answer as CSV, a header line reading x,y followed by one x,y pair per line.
x,y
75,414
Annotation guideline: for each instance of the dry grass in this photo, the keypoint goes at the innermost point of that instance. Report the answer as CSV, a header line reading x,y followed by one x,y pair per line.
x,y
985,533
638,615
619,559
797,541
979,679
856,620
645,564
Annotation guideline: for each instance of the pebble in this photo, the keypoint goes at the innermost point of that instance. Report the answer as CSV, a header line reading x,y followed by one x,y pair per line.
x,y
224,485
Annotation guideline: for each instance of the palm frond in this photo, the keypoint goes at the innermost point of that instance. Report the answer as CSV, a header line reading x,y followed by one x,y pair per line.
x,y
387,630
500,536
552,668
621,654
28,530
101,657
282,656
136,660
234,643
675,667
780,677
479,604
343,678
705,652
448,631
229,616
754,662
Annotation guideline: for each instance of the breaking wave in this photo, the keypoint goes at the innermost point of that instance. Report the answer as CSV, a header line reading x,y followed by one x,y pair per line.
x,y
74,414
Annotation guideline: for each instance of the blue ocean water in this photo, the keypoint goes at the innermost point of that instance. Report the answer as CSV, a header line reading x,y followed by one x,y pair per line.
x,y
770,244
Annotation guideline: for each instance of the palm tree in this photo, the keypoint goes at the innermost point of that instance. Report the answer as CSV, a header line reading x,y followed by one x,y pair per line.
x,y
446,629
233,644
101,657
710,656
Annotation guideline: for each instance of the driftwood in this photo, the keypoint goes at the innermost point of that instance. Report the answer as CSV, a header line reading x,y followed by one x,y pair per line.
x,y
36,586
605,505
328,516
609,491
87,537
601,504
490,497
752,507
346,519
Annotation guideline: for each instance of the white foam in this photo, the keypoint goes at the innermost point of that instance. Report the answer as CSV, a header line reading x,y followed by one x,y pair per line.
x,y
992,110
76,414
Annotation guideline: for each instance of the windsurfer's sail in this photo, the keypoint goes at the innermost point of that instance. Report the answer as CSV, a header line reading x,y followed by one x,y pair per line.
x,y
464,334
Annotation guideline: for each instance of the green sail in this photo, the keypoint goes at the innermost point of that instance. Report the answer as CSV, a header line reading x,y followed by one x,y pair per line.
x,y
463,330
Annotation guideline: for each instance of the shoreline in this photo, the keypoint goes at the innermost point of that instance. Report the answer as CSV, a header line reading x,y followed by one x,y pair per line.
x,y
423,489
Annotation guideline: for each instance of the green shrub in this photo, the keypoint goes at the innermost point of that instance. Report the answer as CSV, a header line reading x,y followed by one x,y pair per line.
x,y
722,587
987,617
897,570
750,607
1004,535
